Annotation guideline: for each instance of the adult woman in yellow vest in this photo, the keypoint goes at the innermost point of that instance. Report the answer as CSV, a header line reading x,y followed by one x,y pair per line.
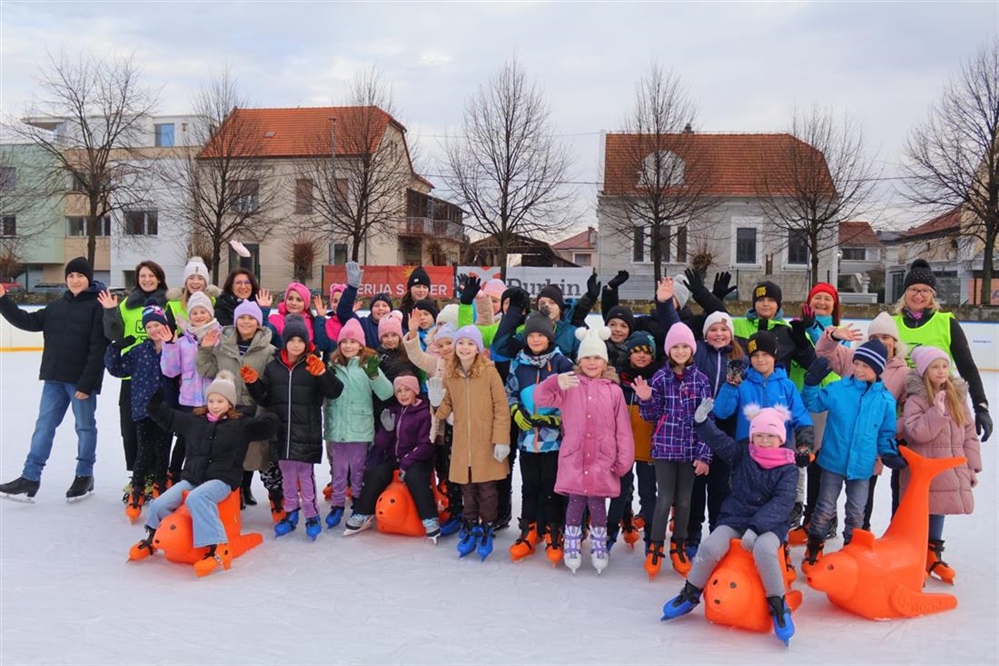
x,y
920,322
196,278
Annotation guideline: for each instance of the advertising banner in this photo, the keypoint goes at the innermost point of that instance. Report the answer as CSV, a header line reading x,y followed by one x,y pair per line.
x,y
572,281
392,280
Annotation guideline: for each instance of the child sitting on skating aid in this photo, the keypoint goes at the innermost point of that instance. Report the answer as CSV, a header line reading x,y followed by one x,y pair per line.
x,y
764,486
217,439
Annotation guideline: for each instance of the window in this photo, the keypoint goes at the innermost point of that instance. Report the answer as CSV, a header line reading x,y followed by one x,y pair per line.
x,y
854,254
661,170
77,226
164,135
638,245
8,178
252,263
797,248
581,259
245,198
303,195
141,223
128,278
339,254
745,245
681,245
8,226
663,242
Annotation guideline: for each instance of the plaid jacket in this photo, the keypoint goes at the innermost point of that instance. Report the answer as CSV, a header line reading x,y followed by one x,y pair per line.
x,y
671,408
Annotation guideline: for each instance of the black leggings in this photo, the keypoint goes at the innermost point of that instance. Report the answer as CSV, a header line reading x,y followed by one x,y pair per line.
x,y
539,502
417,479
152,456
129,434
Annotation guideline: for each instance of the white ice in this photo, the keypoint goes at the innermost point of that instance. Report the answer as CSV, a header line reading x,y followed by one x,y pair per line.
x,y
68,596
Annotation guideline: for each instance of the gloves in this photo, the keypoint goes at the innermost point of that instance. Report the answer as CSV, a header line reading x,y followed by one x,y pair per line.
x,y
805,436
470,290
371,367
983,421
749,540
553,421
618,280
694,281
354,274
501,452
807,316
817,371
388,420
593,286
799,334
734,371
435,391
124,343
248,374
314,365
893,461
721,287
703,410
520,299
521,418
803,456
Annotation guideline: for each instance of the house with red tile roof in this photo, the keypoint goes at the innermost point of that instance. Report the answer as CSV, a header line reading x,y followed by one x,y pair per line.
x,y
579,249
861,269
731,234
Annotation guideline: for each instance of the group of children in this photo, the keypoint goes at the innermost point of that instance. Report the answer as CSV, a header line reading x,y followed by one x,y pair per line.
x,y
677,401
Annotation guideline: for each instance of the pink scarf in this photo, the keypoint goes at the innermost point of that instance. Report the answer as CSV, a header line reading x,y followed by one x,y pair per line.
x,y
212,418
770,458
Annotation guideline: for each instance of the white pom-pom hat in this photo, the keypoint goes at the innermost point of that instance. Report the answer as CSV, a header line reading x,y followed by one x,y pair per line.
x,y
592,342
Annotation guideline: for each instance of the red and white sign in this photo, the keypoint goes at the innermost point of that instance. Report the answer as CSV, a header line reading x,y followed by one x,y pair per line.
x,y
392,280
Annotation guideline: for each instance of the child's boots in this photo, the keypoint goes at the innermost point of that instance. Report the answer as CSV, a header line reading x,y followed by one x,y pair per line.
x,y
468,538
599,548
572,554
780,613
133,510
144,548
813,553
277,505
553,544
935,566
217,555
334,517
678,555
653,558
485,547
630,529
430,525
287,525
358,522
312,528
682,603
527,541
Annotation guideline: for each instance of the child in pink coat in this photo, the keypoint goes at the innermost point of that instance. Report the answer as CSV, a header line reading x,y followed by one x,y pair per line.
x,y
598,447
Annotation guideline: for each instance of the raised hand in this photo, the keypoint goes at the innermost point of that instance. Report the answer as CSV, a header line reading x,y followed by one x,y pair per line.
x,y
940,402
211,338
182,322
371,367
317,305
470,289
618,280
314,365
248,374
734,371
694,280
642,388
704,410
568,380
354,274
107,300
414,322
807,315
847,332
664,290
721,287
435,391
593,286
265,298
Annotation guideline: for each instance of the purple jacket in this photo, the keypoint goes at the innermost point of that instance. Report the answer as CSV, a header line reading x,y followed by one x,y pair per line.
x,y
671,408
177,360
409,442
598,447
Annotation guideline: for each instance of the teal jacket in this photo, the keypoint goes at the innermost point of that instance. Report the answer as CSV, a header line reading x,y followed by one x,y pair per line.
x,y
351,417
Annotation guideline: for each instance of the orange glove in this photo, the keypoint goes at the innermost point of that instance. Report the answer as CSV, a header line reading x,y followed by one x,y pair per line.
x,y
315,365
248,374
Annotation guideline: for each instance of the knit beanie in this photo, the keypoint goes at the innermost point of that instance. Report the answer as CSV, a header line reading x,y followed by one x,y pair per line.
x,y
539,323
224,385
883,324
352,331
592,342
622,313
390,323
767,289
494,287
427,305
920,273
826,288
248,308
199,299
409,381
718,317
924,355
554,293
384,298
196,266
294,327
418,276
769,421
445,332
762,341
641,341
82,266
469,333
302,291
448,314
679,334
153,312
681,292
874,354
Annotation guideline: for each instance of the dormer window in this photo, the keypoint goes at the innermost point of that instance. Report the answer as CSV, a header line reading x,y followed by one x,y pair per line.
x,y
660,170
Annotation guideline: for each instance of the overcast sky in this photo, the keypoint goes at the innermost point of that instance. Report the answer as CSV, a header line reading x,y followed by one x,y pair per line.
x,y
746,64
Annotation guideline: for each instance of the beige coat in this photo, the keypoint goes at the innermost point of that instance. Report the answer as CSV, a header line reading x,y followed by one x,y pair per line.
x,y
481,420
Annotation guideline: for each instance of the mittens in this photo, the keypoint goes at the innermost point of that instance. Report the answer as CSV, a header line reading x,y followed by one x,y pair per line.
x,y
248,374
315,365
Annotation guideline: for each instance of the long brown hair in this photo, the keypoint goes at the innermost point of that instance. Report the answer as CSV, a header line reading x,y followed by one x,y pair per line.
x,y
479,365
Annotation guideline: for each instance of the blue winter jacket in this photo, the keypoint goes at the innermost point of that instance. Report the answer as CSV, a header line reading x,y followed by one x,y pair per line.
x,y
761,499
772,391
671,408
142,364
526,372
860,425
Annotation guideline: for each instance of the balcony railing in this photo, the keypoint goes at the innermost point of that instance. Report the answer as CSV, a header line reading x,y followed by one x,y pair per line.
x,y
424,226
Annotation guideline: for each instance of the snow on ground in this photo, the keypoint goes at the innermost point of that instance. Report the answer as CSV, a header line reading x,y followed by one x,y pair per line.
x,y
68,596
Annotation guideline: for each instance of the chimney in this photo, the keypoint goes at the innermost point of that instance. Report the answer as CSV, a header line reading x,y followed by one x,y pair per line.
x,y
688,129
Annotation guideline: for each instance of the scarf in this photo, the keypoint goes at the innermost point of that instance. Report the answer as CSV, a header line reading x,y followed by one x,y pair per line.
x,y
199,331
212,418
770,458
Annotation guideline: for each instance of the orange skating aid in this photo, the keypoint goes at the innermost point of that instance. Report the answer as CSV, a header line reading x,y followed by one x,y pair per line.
x,y
395,510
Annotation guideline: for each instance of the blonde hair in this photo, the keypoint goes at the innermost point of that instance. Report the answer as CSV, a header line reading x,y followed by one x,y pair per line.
x,y
934,305
479,365
955,405
336,358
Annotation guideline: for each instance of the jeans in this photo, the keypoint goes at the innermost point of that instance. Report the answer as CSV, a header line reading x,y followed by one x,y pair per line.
x,y
825,506
56,398
202,502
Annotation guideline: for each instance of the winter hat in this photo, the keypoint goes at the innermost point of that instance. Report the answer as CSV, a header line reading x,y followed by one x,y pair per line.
x,y
224,385
153,312
302,291
248,308
592,342
718,317
409,381
294,327
874,354
82,266
826,288
679,334
427,305
445,332
385,298
883,324
196,266
920,273
339,288
494,287
770,421
390,323
641,341
681,292
924,355
767,289
352,331
554,293
762,341
469,333
622,313
200,299
539,323
418,276
448,315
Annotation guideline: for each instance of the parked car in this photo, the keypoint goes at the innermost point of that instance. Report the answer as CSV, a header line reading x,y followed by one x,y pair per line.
x,y
48,288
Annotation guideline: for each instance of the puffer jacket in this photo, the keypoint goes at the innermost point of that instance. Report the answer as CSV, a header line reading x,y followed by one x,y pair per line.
x,y
225,356
860,426
526,372
671,407
295,395
640,428
933,434
179,359
409,441
142,364
775,390
840,359
351,417
598,447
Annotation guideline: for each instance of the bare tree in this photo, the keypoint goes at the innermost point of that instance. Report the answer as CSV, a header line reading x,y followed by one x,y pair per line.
x,y
953,157
89,118
31,194
509,168
302,250
356,179
222,173
816,178
665,179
